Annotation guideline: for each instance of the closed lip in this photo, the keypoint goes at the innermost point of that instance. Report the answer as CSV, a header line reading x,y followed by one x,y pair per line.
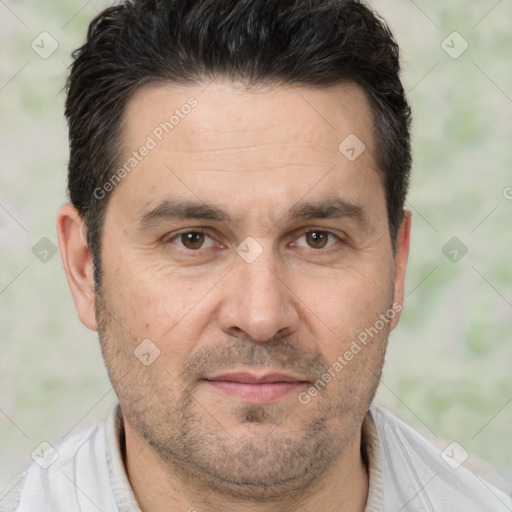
x,y
256,378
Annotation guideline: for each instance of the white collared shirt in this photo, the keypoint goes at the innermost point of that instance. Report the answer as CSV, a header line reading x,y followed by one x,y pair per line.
x,y
406,474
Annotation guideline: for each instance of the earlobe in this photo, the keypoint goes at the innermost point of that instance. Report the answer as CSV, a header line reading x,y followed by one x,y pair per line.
x,y
78,264
401,256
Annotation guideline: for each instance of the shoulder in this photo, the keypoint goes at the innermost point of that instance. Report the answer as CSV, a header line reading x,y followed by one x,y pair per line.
x,y
10,496
418,475
61,475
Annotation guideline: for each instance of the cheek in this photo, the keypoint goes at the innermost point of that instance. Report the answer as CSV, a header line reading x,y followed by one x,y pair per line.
x,y
346,305
162,308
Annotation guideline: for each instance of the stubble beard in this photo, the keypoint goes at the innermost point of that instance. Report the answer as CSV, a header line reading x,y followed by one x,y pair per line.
x,y
271,462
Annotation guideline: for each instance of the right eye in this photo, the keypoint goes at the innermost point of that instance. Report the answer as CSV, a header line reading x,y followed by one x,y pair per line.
x,y
193,240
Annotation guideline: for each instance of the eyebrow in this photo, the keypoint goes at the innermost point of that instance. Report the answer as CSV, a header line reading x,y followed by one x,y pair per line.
x,y
179,210
171,210
331,209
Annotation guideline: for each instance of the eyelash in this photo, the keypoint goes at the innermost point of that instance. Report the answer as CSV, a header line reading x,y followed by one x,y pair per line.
x,y
303,232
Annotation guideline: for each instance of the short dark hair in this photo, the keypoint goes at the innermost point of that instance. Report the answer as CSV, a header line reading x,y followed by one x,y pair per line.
x,y
257,42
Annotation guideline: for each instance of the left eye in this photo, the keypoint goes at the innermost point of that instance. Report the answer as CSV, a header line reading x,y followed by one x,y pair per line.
x,y
317,239
193,240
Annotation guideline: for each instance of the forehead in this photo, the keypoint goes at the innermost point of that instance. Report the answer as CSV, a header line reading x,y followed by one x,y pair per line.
x,y
232,144
223,110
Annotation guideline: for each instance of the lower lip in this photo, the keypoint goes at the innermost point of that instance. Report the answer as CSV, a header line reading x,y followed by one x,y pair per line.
x,y
256,392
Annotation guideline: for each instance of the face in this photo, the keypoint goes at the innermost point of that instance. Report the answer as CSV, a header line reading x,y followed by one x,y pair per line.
x,y
248,281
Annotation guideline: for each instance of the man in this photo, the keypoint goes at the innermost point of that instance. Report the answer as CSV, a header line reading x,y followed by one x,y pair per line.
x,y
237,237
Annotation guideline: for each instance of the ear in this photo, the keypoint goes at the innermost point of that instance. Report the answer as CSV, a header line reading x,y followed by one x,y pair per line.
x,y
403,238
77,262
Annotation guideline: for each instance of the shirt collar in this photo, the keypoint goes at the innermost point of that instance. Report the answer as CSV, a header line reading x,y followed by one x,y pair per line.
x,y
371,449
115,439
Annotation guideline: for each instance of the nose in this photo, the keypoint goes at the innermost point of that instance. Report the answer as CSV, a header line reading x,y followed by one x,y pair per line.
x,y
258,301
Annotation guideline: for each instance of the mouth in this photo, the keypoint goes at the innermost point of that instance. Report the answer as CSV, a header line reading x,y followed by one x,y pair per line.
x,y
256,388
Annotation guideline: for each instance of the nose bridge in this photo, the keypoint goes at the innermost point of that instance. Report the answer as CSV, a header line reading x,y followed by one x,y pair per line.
x,y
259,303
262,284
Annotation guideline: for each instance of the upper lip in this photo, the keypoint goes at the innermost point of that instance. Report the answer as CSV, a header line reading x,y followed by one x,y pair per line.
x,y
251,377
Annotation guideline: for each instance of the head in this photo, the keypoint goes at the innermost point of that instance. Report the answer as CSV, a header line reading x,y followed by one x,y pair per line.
x,y
237,174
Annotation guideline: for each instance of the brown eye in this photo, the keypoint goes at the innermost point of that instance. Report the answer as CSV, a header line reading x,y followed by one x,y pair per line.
x,y
317,239
192,239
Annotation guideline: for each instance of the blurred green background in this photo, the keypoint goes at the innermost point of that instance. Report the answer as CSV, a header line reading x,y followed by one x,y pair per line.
x,y
449,364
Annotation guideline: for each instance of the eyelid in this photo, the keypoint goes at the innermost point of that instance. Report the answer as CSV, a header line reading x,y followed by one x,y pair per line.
x,y
203,231
309,229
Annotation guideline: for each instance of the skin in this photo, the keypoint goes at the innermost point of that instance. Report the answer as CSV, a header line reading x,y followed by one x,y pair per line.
x,y
298,307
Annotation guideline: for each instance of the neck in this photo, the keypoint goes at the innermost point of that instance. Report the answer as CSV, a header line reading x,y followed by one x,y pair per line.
x,y
159,488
